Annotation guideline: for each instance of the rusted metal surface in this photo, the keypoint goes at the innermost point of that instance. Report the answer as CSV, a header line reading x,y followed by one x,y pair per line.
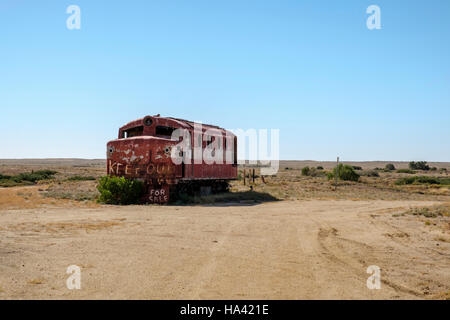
x,y
143,151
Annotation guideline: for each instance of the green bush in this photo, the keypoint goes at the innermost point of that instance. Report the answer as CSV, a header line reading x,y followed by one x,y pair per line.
x,y
390,167
81,178
419,165
319,168
34,176
406,171
311,172
306,171
345,172
370,173
45,173
119,190
423,180
26,178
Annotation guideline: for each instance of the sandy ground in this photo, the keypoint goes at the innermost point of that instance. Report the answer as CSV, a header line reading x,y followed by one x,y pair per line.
x,y
316,249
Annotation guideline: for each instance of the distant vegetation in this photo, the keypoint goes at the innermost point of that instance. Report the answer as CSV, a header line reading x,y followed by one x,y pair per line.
x,y
27,178
423,180
390,167
306,171
312,172
357,167
409,171
344,172
370,173
81,178
115,190
419,165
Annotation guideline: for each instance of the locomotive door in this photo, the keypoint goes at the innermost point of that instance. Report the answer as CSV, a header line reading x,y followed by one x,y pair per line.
x,y
183,167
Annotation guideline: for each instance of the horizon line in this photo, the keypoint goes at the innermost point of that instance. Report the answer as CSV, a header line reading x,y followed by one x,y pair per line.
x,y
304,160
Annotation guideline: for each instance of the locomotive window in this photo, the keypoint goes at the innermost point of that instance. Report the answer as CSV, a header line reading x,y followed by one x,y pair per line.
x,y
164,131
209,141
133,132
219,139
200,140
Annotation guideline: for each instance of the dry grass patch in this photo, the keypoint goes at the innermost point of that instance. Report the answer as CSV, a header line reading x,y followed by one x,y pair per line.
x,y
442,296
21,198
36,281
442,210
56,227
73,190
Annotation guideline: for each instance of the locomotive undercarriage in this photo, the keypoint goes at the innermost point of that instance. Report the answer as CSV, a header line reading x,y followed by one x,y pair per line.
x,y
165,193
203,187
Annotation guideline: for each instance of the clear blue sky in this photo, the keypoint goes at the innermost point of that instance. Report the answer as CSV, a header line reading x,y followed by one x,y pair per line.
x,y
309,68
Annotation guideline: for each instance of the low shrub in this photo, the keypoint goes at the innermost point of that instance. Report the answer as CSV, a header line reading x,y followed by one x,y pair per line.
x,y
419,165
26,178
431,212
423,180
390,167
370,173
409,171
81,178
345,172
306,171
4,177
120,190
312,172
319,168
45,173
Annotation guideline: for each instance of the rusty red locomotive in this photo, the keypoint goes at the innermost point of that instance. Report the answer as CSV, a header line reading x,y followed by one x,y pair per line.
x,y
173,156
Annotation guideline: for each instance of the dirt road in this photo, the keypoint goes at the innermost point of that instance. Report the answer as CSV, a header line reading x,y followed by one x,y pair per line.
x,y
282,250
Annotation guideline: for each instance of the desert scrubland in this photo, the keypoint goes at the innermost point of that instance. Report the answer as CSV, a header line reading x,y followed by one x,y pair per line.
x,y
295,236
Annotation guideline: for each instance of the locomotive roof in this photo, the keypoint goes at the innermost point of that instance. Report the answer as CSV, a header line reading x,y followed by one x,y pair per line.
x,y
181,122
